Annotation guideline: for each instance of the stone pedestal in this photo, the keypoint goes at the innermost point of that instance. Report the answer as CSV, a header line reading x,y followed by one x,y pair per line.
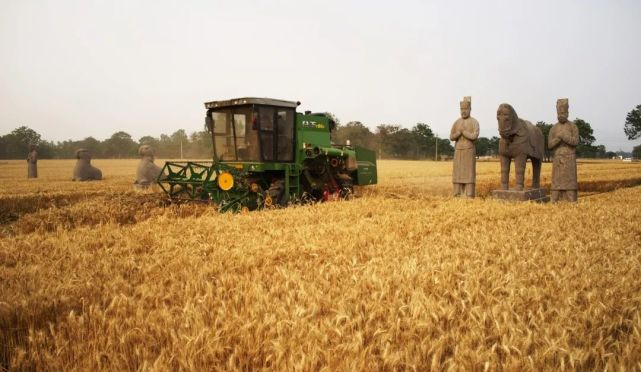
x,y
536,195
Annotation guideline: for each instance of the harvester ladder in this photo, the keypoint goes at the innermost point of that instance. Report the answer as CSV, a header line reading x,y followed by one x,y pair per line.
x,y
292,181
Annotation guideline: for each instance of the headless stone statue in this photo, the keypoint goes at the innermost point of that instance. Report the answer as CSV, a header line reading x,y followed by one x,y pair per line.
x,y
147,172
84,171
465,131
562,140
32,162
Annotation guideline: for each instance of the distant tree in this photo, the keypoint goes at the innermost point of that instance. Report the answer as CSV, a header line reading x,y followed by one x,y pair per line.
x,y
148,140
487,146
545,129
4,143
423,141
46,150
356,132
15,145
586,134
201,145
26,136
636,152
585,149
165,147
423,130
94,146
632,127
610,154
401,144
66,149
179,135
445,147
483,146
4,146
494,145
120,145
334,118
179,143
385,134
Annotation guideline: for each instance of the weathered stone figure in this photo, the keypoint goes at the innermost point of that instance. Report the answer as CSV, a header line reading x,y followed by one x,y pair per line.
x,y
562,140
147,172
465,131
32,162
520,140
84,171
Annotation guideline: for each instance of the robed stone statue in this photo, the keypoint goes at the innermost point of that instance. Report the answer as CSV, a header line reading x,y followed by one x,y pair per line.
x,y
32,162
562,140
465,131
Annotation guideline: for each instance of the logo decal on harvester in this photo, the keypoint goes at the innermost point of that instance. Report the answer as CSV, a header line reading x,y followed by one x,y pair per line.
x,y
312,124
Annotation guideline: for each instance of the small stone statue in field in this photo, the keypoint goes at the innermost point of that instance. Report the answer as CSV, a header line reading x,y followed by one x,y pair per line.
x,y
32,162
465,131
84,171
147,172
562,140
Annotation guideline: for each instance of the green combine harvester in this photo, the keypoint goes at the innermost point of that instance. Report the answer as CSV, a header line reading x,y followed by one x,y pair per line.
x,y
266,154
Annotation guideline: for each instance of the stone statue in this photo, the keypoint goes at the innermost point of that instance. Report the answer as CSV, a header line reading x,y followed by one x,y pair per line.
x,y
32,162
562,140
520,140
465,131
84,171
147,172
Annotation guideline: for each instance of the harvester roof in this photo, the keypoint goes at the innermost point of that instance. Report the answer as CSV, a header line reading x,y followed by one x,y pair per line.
x,y
251,101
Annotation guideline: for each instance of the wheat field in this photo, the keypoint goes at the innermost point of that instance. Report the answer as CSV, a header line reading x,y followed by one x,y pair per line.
x,y
98,276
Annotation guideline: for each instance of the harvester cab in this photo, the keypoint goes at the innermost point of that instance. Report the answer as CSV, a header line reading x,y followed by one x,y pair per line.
x,y
267,154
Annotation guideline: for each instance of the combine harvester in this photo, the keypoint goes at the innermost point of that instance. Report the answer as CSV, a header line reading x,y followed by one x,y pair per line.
x,y
267,154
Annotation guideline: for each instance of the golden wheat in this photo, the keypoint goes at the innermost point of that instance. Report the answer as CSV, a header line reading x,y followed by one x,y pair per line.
x,y
96,276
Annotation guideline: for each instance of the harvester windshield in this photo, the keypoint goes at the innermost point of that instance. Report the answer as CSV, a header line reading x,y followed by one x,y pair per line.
x,y
253,133
234,138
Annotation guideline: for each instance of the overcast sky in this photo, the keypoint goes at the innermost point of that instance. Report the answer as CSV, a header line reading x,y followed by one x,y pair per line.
x,y
73,69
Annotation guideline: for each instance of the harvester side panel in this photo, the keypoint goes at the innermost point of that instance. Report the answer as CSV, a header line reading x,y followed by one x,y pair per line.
x,y
366,162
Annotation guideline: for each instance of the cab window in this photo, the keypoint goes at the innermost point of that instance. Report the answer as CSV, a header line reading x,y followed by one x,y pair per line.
x,y
276,133
266,125
223,136
234,137
285,132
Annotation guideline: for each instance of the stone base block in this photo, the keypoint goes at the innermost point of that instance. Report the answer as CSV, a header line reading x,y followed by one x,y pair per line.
x,y
536,195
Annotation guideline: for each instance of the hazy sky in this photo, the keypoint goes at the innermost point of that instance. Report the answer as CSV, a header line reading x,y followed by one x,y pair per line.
x,y
73,69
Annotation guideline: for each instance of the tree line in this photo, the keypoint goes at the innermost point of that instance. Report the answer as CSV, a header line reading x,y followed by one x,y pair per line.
x,y
388,140
419,142
394,141
119,146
